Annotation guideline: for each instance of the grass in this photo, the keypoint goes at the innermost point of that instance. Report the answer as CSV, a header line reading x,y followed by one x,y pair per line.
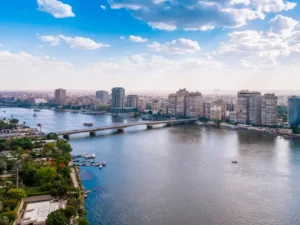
x,y
35,191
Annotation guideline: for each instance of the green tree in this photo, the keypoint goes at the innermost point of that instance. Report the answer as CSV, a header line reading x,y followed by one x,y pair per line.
x,y
3,164
14,121
11,215
4,220
70,211
45,175
64,146
28,173
10,203
57,218
16,193
82,221
52,136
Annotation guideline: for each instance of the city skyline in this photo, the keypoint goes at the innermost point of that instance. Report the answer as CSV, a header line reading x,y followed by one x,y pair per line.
x,y
147,45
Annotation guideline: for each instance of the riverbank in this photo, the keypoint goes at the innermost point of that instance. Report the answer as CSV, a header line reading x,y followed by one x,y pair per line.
x,y
276,132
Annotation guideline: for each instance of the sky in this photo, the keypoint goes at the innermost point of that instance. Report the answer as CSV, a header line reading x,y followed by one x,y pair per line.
x,y
149,44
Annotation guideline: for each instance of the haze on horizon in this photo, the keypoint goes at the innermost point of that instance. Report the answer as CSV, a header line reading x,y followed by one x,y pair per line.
x,y
150,44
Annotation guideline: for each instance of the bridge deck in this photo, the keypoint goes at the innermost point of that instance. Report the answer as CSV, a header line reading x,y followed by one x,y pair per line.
x,y
123,126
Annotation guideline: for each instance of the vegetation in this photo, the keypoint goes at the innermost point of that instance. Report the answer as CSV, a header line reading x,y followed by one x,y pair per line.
x,y
82,221
282,112
57,218
42,171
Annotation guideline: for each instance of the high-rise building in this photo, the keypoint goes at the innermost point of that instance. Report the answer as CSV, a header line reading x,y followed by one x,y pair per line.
x,y
156,105
142,105
133,101
255,108
294,111
60,96
118,98
102,96
207,106
194,105
248,107
181,96
172,104
269,110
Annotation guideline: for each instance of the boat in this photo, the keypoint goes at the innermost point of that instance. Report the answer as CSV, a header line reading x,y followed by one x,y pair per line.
x,y
234,162
104,164
36,110
34,115
100,167
88,124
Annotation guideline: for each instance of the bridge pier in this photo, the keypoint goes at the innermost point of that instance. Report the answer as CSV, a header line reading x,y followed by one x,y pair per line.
x,y
149,127
92,134
66,136
120,130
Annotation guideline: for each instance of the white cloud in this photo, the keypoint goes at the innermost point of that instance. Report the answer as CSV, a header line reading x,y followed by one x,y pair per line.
x,y
137,39
179,46
1,45
56,8
53,40
74,42
122,37
200,15
283,25
148,72
83,43
103,7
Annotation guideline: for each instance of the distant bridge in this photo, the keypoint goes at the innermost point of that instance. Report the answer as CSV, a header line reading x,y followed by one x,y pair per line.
x,y
120,127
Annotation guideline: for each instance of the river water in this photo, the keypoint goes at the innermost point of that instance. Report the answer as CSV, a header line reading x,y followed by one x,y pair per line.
x,y
182,175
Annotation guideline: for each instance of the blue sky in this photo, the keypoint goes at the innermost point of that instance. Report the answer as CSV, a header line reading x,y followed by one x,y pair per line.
x,y
149,44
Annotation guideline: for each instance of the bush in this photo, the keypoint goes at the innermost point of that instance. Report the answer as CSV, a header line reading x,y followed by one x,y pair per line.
x,y
16,193
57,218
82,221
10,203
11,215
4,220
70,211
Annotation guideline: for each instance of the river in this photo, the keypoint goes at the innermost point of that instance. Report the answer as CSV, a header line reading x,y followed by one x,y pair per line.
x,y
183,174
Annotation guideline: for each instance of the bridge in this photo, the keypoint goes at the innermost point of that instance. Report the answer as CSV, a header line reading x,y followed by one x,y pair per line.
x,y
120,127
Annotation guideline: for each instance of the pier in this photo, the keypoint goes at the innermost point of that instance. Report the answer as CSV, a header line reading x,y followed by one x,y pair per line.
x,y
120,127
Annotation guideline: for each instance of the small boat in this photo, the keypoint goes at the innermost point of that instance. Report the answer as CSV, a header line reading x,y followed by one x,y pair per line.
x,y
36,110
88,124
100,167
34,115
234,161
104,164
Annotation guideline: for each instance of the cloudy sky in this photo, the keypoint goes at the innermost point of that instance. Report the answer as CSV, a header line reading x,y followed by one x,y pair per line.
x,y
149,44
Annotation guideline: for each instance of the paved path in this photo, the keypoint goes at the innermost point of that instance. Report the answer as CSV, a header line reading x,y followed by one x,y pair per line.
x,y
74,178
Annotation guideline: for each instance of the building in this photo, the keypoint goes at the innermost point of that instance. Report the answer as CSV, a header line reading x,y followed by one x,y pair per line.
x,y
102,96
194,105
255,108
156,105
118,98
248,107
142,105
216,112
172,104
294,111
181,97
133,101
60,96
207,110
269,110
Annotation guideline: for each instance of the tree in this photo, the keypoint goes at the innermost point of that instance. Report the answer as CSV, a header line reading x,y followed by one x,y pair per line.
x,y
82,221
14,121
4,220
10,203
57,218
3,165
52,136
16,193
45,175
64,146
70,211
11,215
